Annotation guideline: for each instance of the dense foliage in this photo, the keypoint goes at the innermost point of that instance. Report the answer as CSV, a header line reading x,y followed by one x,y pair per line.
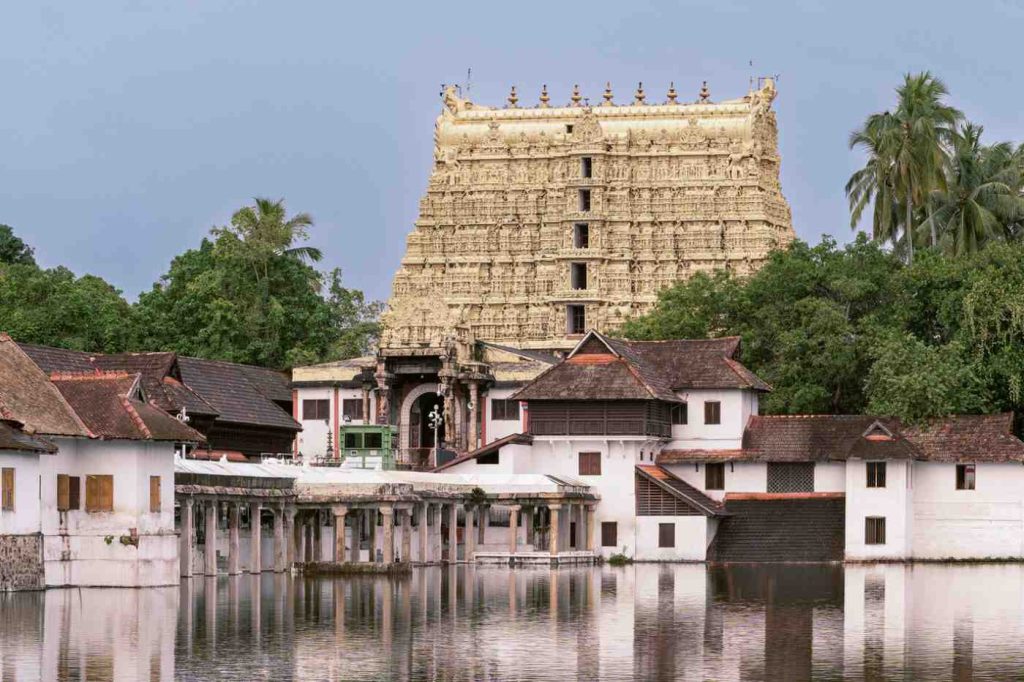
x,y
247,294
855,329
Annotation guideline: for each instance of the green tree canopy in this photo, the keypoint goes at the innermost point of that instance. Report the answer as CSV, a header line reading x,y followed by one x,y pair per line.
x,y
13,251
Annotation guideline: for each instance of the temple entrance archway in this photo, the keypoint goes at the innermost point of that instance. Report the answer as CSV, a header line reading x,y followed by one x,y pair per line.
x,y
406,429
421,434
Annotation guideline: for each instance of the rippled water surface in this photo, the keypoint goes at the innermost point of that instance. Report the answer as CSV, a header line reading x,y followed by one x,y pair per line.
x,y
687,622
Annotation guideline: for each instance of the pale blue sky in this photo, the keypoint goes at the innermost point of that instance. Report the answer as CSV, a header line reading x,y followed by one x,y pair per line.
x,y
127,132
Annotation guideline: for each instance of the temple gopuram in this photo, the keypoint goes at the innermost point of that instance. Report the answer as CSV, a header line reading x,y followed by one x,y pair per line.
x,y
541,222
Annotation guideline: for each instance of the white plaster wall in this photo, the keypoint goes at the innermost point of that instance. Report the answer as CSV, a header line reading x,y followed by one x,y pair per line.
x,y
890,502
740,477
987,522
499,428
737,407
829,477
691,538
24,519
513,458
75,551
313,437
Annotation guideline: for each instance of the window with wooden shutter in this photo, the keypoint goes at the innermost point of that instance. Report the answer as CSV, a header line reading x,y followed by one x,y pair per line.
x,y
74,493
316,409
352,409
666,535
7,489
154,494
876,474
653,500
714,476
679,414
874,530
63,492
590,464
609,534
99,493
712,412
504,410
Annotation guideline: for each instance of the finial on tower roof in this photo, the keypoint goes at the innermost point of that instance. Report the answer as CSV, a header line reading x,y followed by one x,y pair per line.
x,y
638,97
705,94
513,99
672,93
576,96
608,94
544,99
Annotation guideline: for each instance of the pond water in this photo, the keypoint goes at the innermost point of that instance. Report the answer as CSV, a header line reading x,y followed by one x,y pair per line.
x,y
645,622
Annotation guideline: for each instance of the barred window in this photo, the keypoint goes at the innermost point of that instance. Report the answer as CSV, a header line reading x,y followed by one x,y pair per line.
x,y
874,530
796,477
316,409
653,500
504,410
876,474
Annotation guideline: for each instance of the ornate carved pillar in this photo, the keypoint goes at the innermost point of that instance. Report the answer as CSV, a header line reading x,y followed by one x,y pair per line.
x,y
384,381
367,387
474,416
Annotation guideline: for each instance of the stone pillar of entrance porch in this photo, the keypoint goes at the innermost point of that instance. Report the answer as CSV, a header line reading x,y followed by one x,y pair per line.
x,y
366,403
553,539
453,534
340,512
470,534
591,526
318,536
357,535
423,529
389,534
485,522
234,541
280,551
290,538
371,515
513,529
407,535
528,522
439,536
188,536
210,552
474,415
255,537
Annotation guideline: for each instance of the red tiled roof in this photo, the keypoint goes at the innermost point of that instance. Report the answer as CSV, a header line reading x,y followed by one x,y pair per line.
x,y
216,455
14,438
682,490
601,368
27,396
241,394
838,437
108,405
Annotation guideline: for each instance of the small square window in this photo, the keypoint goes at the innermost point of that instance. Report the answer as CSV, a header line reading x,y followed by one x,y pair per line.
x,y
876,474
504,410
609,534
712,412
874,530
965,475
316,409
679,414
568,129
352,409
590,464
714,476
666,535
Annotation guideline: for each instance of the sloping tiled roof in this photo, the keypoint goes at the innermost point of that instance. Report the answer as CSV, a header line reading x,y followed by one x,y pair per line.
x,y
969,437
58,359
107,404
241,394
28,396
681,489
515,438
825,437
643,370
12,438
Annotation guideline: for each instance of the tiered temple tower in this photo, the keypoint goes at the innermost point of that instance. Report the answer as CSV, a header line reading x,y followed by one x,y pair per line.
x,y
541,222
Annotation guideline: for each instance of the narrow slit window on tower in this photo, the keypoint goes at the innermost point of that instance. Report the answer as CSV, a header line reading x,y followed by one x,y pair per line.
x,y
568,129
581,236
584,200
576,319
586,167
578,276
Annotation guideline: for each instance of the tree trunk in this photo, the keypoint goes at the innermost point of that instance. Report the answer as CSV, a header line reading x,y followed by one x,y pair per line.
x,y
931,222
910,230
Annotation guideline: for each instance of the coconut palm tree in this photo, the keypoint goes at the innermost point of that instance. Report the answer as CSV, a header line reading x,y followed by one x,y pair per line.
x,y
982,201
267,232
875,182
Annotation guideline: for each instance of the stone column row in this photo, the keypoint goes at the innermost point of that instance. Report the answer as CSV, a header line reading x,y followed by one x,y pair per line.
x,y
283,525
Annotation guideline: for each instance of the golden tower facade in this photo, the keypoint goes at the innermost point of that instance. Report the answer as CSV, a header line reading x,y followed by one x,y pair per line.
x,y
541,222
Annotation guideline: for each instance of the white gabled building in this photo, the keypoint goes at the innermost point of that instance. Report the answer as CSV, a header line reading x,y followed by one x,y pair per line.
x,y
100,501
668,434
